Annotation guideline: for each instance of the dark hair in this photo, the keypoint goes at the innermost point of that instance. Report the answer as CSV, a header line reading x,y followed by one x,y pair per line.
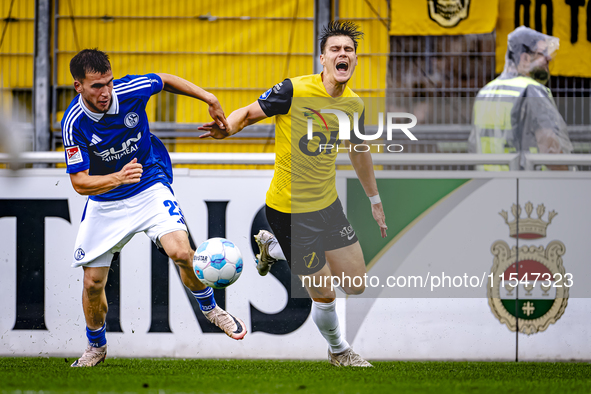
x,y
340,28
89,61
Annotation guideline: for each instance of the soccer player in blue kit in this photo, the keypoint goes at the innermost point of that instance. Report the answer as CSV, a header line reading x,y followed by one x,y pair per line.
x,y
113,158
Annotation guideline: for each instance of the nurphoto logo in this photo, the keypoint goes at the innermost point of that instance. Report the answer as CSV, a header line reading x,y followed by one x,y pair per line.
x,y
345,129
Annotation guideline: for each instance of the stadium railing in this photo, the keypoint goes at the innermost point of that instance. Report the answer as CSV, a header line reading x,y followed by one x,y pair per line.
x,y
532,161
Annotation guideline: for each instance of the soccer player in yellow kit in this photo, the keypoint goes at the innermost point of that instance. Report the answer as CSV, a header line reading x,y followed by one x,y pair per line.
x,y
302,206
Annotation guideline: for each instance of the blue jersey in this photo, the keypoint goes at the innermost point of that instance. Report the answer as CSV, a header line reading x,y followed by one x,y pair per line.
x,y
104,143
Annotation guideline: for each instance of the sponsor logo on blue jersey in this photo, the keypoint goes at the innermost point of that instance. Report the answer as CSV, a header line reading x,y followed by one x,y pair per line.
x,y
127,147
95,140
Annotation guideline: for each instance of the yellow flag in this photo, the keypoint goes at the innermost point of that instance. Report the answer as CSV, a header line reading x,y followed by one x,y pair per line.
x,y
442,17
571,23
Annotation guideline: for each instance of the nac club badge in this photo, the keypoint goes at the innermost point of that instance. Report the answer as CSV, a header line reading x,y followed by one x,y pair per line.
x,y
448,13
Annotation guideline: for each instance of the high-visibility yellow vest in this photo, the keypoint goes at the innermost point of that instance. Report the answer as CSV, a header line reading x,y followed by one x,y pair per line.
x,y
496,118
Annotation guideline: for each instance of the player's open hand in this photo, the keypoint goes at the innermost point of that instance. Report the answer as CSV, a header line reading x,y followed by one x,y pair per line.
x,y
377,211
131,172
213,130
217,114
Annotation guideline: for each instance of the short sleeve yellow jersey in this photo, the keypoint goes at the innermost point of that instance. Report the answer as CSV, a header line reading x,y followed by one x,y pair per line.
x,y
306,142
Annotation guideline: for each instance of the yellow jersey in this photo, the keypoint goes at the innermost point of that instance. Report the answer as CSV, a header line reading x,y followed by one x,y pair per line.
x,y
307,141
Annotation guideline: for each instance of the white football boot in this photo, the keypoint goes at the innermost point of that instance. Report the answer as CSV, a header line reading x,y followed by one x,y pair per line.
x,y
348,358
93,356
264,261
233,327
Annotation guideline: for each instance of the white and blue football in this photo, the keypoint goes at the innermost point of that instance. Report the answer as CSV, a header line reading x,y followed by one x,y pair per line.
x,y
217,263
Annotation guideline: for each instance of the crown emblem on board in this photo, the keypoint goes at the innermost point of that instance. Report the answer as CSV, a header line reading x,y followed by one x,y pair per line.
x,y
537,272
529,228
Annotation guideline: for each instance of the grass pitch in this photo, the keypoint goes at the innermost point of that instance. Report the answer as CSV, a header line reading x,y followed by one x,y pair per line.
x,y
159,376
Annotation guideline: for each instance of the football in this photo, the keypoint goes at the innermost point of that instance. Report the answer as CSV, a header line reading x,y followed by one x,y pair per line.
x,y
217,263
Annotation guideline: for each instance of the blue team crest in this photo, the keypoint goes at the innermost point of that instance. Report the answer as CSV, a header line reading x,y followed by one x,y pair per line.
x,y
266,94
131,120
79,254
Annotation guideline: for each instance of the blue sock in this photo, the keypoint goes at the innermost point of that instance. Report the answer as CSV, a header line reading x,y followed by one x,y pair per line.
x,y
97,338
205,299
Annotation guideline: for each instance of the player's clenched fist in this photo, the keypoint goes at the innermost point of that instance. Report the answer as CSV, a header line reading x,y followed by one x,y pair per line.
x,y
131,172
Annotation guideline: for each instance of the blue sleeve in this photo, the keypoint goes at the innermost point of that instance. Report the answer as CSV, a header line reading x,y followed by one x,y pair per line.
x,y
75,149
156,84
139,85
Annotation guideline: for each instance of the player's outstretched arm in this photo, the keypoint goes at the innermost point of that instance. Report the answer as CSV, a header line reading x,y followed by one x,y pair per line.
x,y
90,185
178,85
237,120
363,165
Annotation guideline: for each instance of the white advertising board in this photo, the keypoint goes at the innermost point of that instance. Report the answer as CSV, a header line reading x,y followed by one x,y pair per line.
x,y
152,316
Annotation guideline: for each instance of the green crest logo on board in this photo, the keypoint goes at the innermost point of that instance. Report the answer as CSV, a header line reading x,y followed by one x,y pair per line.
x,y
538,279
448,13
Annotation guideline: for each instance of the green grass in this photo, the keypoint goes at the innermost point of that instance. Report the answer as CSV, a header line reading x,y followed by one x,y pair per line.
x,y
158,376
